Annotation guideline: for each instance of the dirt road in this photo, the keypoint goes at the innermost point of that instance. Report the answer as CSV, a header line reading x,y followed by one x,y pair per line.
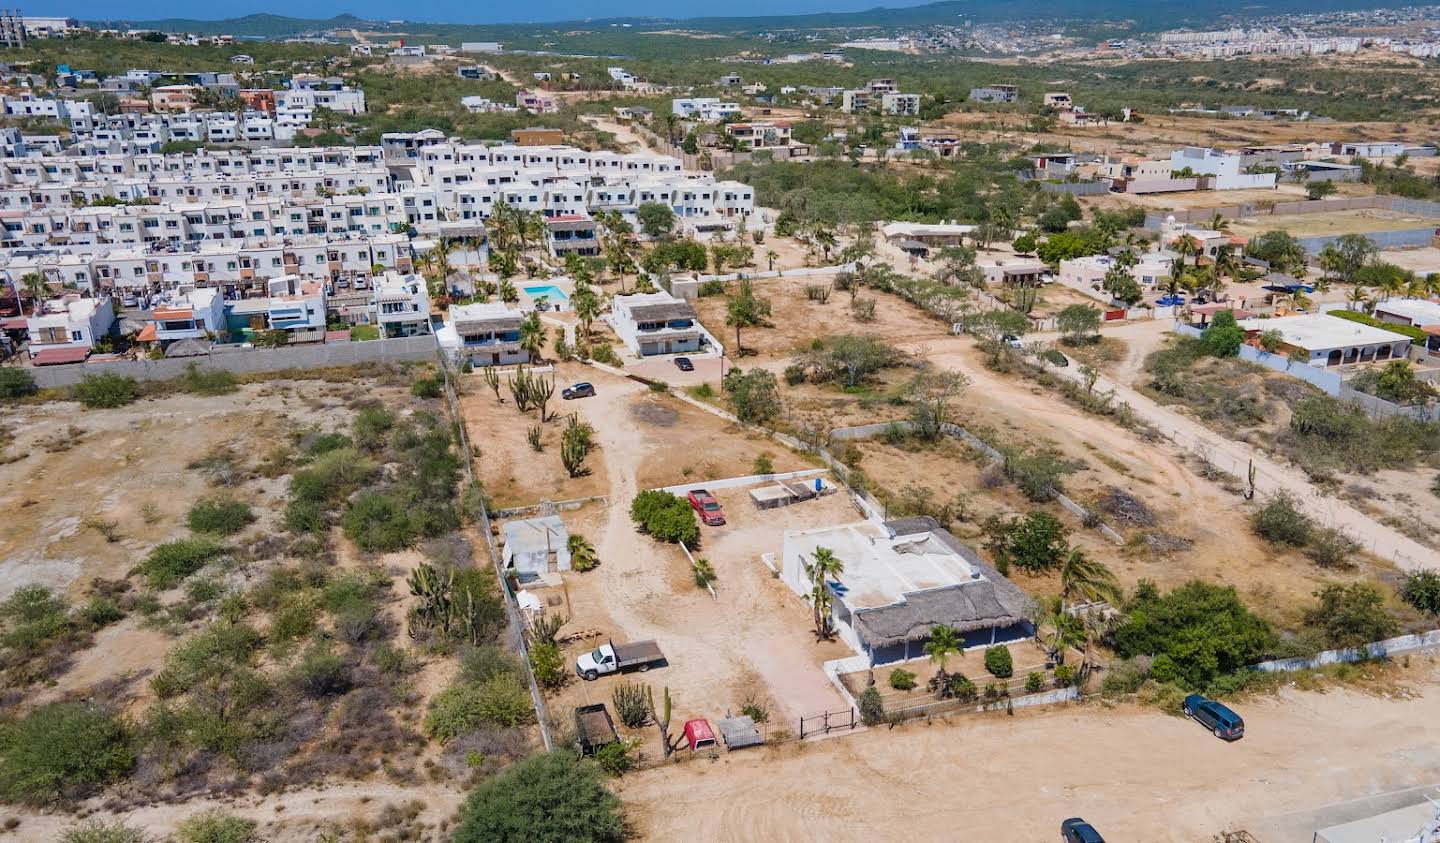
x,y
1136,773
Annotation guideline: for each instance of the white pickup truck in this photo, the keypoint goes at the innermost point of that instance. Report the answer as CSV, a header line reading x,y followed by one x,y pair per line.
x,y
612,658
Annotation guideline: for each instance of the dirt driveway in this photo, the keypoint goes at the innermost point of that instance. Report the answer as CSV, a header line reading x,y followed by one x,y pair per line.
x,y
1136,773
754,635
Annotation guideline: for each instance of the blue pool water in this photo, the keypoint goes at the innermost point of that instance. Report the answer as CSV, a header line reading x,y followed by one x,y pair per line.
x,y
552,293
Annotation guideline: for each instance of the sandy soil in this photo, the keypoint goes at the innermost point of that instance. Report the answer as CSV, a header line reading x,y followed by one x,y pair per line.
x,y
1334,223
1024,774
753,635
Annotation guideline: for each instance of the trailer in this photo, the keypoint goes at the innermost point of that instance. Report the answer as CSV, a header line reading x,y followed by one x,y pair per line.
x,y
594,728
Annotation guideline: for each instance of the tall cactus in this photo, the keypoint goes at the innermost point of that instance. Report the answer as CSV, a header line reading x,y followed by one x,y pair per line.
x,y
662,721
540,392
492,380
436,608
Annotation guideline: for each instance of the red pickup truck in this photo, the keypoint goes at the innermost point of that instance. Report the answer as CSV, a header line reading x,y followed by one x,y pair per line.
x,y
704,503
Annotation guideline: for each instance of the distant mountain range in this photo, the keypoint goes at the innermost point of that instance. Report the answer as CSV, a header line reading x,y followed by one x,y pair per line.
x,y
1157,14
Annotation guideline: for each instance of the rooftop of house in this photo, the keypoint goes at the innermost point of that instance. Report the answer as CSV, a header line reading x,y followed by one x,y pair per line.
x,y
1420,312
544,532
1317,331
904,576
921,229
489,313
654,307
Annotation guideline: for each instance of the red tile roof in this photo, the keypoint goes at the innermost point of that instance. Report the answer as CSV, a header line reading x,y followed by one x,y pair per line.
x,y
56,356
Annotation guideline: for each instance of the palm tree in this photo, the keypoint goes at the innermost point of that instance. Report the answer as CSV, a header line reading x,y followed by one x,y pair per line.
x,y
823,567
1083,578
1188,244
532,336
508,293
1357,296
582,553
771,255
586,303
745,310
944,642
35,287
825,239
1219,223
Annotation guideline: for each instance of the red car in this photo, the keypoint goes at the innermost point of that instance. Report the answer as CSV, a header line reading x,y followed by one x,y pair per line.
x,y
704,503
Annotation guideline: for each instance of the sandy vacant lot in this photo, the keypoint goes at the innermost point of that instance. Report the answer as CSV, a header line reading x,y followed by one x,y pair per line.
x,y
1137,773
1333,223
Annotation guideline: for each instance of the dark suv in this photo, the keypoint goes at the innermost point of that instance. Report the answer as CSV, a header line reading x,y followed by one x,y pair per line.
x,y
579,390
1226,724
1076,830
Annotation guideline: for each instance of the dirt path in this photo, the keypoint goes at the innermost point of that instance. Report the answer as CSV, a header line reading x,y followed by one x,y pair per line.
x,y
624,134
301,815
1271,476
1134,772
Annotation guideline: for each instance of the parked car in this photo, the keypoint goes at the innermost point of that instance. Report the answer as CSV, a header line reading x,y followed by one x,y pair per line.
x,y
1215,716
708,508
1012,341
579,390
1076,830
618,658
684,364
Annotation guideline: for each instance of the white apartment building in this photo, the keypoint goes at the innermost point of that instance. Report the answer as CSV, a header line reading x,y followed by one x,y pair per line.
x,y
706,109
656,323
402,305
69,323
485,334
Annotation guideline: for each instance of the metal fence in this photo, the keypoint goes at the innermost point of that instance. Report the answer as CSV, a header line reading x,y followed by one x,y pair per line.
x,y
827,722
512,607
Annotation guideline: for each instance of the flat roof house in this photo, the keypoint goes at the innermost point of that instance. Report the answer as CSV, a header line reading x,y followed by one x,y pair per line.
x,y
569,233
535,546
486,334
402,305
995,93
66,329
656,323
1417,313
1329,340
903,577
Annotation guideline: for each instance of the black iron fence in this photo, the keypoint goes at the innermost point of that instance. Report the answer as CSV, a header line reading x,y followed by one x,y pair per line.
x,y
827,722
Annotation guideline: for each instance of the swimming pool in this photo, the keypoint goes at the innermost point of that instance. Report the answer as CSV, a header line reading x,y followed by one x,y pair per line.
x,y
552,293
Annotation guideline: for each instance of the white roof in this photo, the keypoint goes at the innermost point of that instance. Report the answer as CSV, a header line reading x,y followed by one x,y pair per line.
x,y
879,569
920,229
482,310
1321,331
1420,312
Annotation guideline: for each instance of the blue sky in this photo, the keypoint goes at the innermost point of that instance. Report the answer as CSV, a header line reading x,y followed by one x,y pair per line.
x,y
486,11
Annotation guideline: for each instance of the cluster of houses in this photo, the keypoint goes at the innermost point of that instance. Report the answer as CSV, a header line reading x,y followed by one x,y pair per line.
x,y
294,239
154,108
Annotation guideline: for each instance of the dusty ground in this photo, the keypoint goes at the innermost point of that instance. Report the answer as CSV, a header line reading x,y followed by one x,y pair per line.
x,y
1024,774
1334,223
753,636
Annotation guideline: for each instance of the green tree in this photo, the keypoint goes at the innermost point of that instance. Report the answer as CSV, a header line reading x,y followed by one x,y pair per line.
x,y
532,336
1204,631
992,326
745,309
1350,615
754,395
656,219
1084,578
1035,543
1120,283
944,642
551,797
1224,336
823,567
1078,323
1421,589
1346,255
1319,189
1280,249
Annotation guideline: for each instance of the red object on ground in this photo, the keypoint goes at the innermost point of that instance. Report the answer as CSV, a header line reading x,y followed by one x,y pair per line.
x,y
56,356
709,509
699,735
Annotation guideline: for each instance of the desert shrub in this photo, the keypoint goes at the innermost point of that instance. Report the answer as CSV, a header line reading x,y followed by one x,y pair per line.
x,y
62,750
208,381
370,426
1065,675
216,826
548,665
1202,631
212,653
332,476
1034,682
1125,676
755,707
381,522
962,688
486,662
665,516
902,679
203,589
106,390
303,516
754,395
96,831
426,388
1036,473
999,662
1421,589
872,707
170,563
553,796
222,515
615,758
324,443
321,673
501,700
1330,547
100,611
1223,337
711,288
34,618
1280,521
632,704
1350,615
16,383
